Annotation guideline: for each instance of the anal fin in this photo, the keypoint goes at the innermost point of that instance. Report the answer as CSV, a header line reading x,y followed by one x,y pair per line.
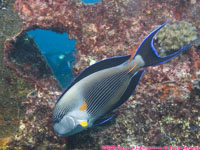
x,y
104,120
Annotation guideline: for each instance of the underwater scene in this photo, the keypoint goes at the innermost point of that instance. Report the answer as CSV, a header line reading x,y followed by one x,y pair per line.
x,y
99,74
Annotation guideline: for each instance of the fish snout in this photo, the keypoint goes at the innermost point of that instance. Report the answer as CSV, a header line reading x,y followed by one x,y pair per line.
x,y
65,126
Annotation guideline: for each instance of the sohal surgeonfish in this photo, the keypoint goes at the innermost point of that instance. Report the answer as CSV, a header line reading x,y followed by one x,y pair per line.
x,y
103,87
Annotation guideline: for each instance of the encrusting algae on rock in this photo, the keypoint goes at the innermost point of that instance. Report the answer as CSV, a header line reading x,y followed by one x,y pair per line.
x,y
4,142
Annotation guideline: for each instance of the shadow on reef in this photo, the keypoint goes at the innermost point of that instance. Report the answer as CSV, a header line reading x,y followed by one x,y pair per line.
x,y
24,57
28,59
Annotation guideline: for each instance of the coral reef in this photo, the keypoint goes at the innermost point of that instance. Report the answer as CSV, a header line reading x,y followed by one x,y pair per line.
x,y
14,89
3,143
173,117
174,36
164,108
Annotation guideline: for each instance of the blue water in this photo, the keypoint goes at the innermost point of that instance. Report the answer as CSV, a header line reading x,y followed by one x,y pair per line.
x,y
90,1
58,51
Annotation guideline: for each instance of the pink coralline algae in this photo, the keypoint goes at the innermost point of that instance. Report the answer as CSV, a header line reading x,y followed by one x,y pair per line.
x,y
164,110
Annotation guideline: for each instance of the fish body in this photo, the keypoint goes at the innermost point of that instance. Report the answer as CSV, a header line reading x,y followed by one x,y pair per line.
x,y
103,87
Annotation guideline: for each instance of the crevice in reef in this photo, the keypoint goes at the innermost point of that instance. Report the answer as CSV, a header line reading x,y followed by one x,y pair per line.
x,y
28,59
22,55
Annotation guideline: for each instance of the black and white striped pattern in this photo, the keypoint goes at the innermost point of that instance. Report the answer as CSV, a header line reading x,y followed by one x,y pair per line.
x,y
60,111
102,92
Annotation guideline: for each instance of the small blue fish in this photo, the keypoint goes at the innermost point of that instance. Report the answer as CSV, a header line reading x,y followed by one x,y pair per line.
x,y
103,87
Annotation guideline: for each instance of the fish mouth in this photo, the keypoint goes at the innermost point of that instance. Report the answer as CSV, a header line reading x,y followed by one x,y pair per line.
x,y
65,126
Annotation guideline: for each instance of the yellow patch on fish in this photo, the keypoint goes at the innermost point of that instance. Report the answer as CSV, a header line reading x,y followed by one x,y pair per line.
x,y
131,69
84,124
84,106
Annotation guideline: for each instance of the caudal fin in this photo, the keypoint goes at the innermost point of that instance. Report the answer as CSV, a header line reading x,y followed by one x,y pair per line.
x,y
148,52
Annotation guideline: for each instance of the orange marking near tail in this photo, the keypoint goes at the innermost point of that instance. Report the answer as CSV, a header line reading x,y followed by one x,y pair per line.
x,y
131,69
133,53
84,106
